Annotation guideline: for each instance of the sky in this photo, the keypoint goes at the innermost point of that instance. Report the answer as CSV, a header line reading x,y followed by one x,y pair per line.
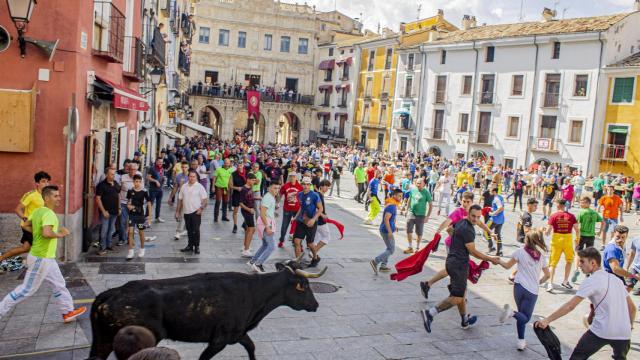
x,y
391,12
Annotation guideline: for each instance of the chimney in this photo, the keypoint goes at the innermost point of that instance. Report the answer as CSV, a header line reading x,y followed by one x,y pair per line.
x,y
548,15
468,22
441,13
636,5
434,35
402,27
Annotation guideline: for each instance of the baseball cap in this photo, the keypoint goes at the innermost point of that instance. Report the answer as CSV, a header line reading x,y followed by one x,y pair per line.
x,y
306,180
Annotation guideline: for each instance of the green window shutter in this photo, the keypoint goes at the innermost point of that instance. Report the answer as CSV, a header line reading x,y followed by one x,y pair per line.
x,y
623,90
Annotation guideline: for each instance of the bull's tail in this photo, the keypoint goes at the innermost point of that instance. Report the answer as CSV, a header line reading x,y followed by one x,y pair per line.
x,y
102,342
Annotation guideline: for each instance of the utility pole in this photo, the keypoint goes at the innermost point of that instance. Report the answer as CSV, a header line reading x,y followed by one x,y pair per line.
x,y
521,18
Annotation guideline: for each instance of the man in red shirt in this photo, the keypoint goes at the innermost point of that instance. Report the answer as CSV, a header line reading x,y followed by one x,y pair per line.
x,y
291,206
371,171
562,223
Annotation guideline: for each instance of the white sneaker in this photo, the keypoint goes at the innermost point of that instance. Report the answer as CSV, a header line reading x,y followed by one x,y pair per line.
x,y
246,254
150,238
159,220
130,254
251,267
522,344
367,222
256,268
141,253
549,287
184,233
506,313
177,237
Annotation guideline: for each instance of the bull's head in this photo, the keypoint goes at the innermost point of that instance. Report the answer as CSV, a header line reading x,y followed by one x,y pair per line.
x,y
298,293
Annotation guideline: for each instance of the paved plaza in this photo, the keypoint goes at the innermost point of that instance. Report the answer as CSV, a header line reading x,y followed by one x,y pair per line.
x,y
369,317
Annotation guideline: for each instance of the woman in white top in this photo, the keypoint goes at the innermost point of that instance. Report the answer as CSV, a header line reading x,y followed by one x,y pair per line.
x,y
444,188
266,228
531,260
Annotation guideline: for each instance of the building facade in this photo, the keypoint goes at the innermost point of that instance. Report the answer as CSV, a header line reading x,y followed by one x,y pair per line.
x,y
522,93
264,43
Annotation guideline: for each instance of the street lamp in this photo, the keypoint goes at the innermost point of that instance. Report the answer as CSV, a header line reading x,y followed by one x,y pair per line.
x,y
156,76
20,12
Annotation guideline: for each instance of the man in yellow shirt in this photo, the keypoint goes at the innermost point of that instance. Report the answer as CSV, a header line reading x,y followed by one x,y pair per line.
x,y
29,202
43,224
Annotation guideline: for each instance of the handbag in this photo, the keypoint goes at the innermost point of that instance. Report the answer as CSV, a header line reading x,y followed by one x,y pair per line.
x,y
592,313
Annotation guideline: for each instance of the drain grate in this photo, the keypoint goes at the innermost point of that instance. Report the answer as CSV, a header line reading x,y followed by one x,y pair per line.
x,y
115,269
323,288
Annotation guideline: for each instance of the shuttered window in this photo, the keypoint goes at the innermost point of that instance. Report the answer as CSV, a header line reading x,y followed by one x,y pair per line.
x,y
623,90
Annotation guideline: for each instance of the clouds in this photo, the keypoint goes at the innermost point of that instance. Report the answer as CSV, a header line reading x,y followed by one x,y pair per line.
x,y
391,12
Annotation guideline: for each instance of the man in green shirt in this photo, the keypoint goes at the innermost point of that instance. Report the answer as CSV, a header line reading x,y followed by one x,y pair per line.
x,y
598,185
587,218
222,182
419,197
42,265
361,181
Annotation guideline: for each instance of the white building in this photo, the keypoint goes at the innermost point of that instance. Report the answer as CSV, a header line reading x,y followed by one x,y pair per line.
x,y
522,93
406,100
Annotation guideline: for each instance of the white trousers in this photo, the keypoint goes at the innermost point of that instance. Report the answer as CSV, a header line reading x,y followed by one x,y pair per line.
x,y
40,269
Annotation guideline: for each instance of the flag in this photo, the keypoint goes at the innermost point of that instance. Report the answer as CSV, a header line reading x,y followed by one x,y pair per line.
x,y
414,263
253,104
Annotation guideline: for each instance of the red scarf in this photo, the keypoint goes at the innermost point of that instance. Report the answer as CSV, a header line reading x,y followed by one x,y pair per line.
x,y
414,263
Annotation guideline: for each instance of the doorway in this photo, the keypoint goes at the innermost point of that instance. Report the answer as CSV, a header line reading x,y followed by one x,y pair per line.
x,y
291,84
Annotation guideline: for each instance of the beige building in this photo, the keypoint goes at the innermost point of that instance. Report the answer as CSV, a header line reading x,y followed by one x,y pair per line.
x,y
263,43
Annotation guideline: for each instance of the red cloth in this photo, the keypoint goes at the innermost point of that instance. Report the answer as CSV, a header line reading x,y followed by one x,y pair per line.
x,y
414,263
486,210
475,270
253,104
337,224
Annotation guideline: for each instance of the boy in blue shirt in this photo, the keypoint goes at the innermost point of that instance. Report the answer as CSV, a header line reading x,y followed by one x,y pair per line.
x,y
633,263
497,219
307,216
387,228
613,255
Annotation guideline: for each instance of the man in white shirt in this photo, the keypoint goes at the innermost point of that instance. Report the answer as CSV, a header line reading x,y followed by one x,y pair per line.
x,y
192,200
613,310
126,184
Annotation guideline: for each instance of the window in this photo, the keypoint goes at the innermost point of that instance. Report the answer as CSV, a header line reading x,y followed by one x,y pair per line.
x,y
441,89
341,52
368,88
380,141
242,39
382,120
328,75
410,59
548,127
330,51
343,100
327,98
513,126
223,37
285,43
403,143
623,90
463,123
363,138
268,40
372,56
366,113
509,163
203,35
517,85
575,128
386,81
303,45
408,87
345,71
490,54
388,59
466,84
580,86
443,57
556,50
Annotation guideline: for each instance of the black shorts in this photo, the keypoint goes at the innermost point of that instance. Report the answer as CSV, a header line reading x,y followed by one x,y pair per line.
x,y
305,232
458,274
137,221
235,199
547,201
585,242
477,185
249,220
26,237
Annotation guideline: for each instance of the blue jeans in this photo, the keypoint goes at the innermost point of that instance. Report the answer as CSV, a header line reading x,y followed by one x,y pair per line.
x,y
391,246
525,301
124,223
107,229
268,245
286,220
156,199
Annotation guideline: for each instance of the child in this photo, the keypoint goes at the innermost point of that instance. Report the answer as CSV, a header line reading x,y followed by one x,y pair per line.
x,y
266,228
387,228
136,199
531,260
405,186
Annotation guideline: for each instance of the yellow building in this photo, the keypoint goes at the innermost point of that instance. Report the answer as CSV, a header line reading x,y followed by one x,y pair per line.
x,y
376,81
619,153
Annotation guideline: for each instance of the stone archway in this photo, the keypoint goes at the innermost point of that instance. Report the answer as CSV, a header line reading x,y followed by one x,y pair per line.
x,y
248,125
543,161
210,117
435,150
288,128
479,154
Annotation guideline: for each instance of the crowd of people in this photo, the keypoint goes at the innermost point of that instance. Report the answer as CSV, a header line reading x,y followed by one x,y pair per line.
x,y
268,182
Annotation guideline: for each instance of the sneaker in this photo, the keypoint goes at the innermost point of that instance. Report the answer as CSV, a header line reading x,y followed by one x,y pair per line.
x,y
150,238
470,321
522,344
574,278
280,244
427,319
255,268
73,314
130,254
250,266
120,243
187,249
384,268
246,253
424,288
159,220
549,287
506,313
141,253
176,237
499,254
408,251
184,233
544,218
491,249
225,219
567,285
102,252
196,250
262,270
367,222
314,262
374,266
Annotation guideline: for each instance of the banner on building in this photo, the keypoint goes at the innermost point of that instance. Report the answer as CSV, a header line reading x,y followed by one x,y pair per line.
x,y
253,104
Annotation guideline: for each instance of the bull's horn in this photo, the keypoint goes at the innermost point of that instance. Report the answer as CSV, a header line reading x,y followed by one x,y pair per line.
x,y
299,258
309,275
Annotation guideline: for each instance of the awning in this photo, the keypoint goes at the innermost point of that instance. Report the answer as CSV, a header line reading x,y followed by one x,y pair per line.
x,y
344,87
327,64
125,98
323,114
171,134
341,114
618,129
328,88
196,127
402,112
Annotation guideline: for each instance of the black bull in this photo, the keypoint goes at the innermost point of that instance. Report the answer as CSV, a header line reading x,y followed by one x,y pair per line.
x,y
216,308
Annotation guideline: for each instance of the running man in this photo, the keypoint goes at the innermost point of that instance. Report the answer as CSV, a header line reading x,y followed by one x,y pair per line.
x,y
291,204
372,194
611,207
307,216
266,228
561,223
551,191
419,198
323,236
42,266
614,254
192,200
587,218
497,220
387,228
247,209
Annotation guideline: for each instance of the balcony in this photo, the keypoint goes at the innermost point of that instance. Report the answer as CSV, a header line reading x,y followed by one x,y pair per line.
x,y
156,49
547,145
372,125
611,152
342,105
480,138
367,95
108,32
384,96
217,91
436,134
133,67
439,96
404,125
188,27
550,100
184,59
486,98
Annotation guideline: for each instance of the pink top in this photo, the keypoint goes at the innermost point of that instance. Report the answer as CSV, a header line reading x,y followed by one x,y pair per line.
x,y
455,216
567,192
636,191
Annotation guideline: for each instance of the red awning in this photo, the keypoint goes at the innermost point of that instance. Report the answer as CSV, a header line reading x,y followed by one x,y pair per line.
x,y
125,98
345,87
323,114
341,114
327,64
328,88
